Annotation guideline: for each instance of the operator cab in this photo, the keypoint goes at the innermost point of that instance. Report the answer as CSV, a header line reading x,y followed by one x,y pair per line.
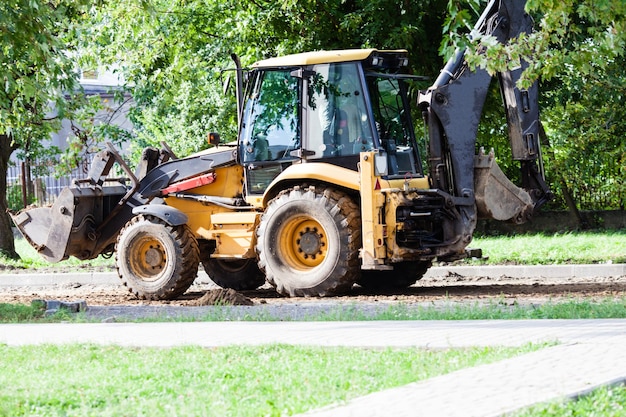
x,y
326,107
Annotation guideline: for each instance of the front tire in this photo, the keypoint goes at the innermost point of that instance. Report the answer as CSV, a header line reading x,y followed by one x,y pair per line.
x,y
308,242
154,260
237,274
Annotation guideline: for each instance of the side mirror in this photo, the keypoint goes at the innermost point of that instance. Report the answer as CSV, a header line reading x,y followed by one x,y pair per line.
x,y
214,138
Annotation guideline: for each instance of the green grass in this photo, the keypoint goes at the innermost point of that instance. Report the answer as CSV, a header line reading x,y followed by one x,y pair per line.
x,y
80,380
570,309
31,259
603,402
19,313
559,248
606,308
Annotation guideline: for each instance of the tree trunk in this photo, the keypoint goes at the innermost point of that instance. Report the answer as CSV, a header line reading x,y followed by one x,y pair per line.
x,y
571,204
567,194
7,244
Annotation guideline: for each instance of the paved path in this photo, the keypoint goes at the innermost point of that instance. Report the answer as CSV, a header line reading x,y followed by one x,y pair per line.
x,y
591,354
428,334
495,389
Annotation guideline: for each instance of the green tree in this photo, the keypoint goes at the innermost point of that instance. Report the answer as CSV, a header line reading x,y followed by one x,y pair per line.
x,y
584,112
172,53
36,70
585,34
585,120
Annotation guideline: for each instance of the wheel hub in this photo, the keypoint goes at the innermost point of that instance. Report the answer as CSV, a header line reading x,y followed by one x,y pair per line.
x,y
303,243
154,257
310,242
147,257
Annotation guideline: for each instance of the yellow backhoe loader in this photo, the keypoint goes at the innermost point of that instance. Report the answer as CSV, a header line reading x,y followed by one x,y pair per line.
x,y
325,186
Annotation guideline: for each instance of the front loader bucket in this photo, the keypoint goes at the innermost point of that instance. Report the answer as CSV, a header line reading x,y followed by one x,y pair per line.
x,y
87,216
48,229
73,225
496,196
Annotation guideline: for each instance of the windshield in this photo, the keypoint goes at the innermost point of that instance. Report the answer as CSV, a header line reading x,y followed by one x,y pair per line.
x,y
270,126
270,129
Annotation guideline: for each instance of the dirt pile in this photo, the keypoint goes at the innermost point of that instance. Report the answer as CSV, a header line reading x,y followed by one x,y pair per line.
x,y
223,296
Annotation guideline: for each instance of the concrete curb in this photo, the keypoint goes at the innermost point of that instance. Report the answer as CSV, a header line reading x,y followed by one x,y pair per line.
x,y
531,271
56,279
68,278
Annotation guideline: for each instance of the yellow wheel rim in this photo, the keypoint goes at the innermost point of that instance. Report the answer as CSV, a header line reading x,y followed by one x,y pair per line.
x,y
303,243
147,257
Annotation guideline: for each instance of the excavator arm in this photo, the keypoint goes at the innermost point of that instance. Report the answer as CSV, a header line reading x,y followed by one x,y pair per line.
x,y
452,108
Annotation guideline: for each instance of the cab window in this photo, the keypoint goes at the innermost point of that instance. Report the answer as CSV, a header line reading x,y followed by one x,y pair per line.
x,y
393,122
337,118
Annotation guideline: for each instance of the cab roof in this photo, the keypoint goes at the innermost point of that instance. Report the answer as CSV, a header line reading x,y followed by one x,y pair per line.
x,y
321,57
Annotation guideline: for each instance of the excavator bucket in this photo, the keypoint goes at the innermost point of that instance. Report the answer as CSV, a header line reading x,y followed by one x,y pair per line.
x,y
47,229
67,228
72,225
496,196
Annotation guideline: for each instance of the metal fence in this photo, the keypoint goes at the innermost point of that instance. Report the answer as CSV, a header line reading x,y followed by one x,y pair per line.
x,y
598,184
45,185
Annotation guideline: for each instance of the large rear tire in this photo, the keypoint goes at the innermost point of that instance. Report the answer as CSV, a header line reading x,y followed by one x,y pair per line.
x,y
403,275
238,274
154,260
308,242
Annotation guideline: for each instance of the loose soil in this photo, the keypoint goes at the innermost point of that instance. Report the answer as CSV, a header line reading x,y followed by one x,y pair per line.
x,y
221,296
452,288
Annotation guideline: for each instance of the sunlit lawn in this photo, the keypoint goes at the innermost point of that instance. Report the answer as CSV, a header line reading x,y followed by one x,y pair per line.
x,y
79,380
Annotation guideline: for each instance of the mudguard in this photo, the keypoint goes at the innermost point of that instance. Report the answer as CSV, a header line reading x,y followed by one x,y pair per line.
x,y
169,215
313,171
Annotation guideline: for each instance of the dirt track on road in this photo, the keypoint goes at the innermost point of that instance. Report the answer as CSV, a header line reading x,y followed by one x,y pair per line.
x,y
452,287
